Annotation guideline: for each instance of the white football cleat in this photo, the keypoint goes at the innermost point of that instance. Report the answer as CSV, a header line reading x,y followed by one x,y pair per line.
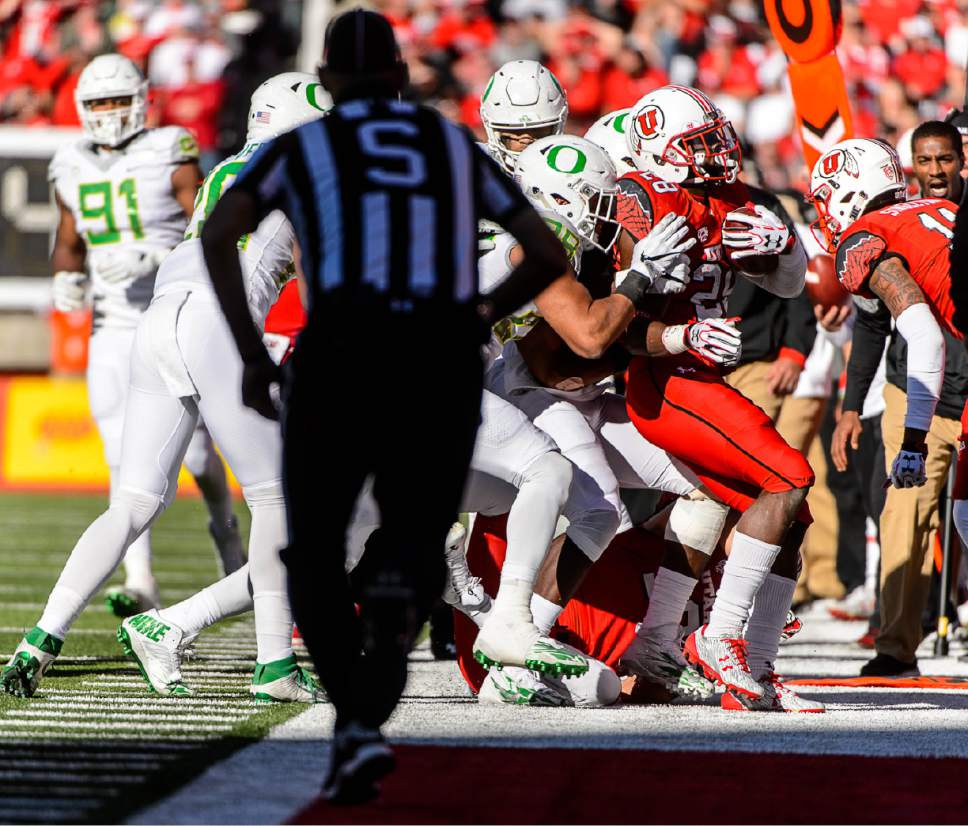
x,y
463,590
518,687
661,663
723,660
777,696
284,681
155,645
510,639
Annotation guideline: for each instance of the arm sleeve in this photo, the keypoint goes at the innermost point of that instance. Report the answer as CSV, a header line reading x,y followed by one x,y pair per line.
x,y
801,328
871,330
925,364
499,198
264,175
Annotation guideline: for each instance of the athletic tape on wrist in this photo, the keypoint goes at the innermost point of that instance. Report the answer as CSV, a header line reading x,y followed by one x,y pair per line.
x,y
674,339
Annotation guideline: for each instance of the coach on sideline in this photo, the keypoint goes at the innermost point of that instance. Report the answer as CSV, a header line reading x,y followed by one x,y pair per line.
x,y
384,197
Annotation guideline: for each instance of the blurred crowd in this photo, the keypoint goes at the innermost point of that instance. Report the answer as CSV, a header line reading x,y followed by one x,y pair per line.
x,y
904,60
203,59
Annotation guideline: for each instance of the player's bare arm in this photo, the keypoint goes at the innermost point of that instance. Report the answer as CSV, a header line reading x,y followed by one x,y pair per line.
x,y
892,283
185,181
233,216
540,261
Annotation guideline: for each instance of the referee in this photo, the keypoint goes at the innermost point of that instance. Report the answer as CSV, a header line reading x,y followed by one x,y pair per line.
x,y
385,197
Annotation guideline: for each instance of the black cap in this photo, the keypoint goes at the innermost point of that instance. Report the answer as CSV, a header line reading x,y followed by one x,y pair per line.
x,y
958,118
360,42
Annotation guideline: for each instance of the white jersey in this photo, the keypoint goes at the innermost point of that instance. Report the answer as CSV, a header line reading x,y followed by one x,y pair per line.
x,y
267,262
123,200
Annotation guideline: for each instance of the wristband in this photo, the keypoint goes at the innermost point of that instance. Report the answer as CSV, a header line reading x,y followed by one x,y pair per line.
x,y
634,287
674,339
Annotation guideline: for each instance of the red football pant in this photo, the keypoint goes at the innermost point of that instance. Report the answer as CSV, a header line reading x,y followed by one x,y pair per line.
x,y
726,439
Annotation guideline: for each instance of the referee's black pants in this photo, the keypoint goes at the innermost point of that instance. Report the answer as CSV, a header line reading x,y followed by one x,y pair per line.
x,y
403,405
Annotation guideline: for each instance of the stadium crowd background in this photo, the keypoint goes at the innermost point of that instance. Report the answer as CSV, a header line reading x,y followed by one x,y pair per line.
x,y
904,60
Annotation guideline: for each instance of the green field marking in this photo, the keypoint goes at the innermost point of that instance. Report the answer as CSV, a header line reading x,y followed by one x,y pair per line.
x,y
93,709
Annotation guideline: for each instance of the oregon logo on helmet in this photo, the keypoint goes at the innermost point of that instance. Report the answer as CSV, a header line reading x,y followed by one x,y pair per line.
x,y
566,159
618,124
650,121
311,93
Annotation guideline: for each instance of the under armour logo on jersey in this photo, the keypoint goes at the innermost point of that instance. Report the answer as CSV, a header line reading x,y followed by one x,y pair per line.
x,y
650,122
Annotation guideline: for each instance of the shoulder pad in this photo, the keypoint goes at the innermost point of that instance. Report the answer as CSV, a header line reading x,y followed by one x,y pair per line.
x,y
857,256
173,144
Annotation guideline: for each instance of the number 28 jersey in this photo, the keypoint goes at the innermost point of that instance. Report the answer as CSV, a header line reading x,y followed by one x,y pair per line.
x,y
267,262
919,234
123,199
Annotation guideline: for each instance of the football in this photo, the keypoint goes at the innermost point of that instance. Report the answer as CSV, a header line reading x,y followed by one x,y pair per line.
x,y
753,264
822,285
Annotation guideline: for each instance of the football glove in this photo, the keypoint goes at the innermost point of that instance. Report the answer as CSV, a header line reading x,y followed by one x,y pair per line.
x,y
907,470
115,266
69,291
659,265
765,234
714,340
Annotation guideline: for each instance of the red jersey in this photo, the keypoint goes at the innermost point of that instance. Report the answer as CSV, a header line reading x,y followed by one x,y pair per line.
x,y
645,199
919,234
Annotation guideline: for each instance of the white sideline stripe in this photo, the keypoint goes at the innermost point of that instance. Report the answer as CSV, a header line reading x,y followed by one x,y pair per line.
x,y
32,804
112,699
96,708
173,740
82,765
39,606
69,777
16,629
105,750
158,727
85,715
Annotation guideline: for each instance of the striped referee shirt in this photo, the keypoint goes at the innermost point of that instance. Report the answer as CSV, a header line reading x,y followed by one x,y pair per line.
x,y
385,197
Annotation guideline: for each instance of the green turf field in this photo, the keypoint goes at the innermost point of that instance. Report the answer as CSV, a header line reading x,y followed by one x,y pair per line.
x,y
94,744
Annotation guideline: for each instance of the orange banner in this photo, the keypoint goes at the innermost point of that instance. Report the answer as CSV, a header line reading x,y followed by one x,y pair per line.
x,y
808,32
49,442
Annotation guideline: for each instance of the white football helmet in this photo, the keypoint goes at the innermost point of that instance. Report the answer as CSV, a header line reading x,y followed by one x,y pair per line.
x,y
111,76
284,102
521,96
608,132
680,135
847,179
576,179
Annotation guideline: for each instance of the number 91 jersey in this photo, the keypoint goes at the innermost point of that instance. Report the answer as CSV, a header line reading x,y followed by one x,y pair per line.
x,y
122,201
919,234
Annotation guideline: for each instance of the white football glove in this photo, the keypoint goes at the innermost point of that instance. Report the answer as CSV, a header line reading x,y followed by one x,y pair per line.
x,y
658,266
69,291
908,471
277,345
765,234
115,266
715,340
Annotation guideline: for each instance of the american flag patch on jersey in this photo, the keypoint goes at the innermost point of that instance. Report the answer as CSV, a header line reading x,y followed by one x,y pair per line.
x,y
262,117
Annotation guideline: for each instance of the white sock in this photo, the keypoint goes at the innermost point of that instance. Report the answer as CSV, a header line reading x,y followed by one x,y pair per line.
x,y
534,516
273,626
545,613
746,568
63,608
514,596
872,557
137,565
766,622
225,598
667,603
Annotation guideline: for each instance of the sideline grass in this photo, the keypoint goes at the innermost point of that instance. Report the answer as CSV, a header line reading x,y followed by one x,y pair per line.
x,y
92,708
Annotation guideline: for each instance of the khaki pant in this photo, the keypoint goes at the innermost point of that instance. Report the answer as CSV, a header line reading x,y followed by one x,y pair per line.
x,y
908,523
798,422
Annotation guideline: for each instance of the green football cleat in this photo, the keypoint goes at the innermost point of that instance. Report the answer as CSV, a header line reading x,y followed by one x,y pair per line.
x,y
518,687
283,681
156,647
33,657
126,602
